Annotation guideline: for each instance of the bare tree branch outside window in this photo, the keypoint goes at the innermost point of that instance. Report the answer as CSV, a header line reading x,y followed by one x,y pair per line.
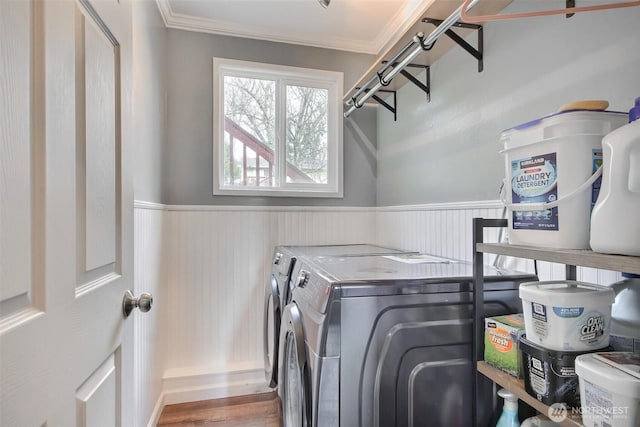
x,y
250,104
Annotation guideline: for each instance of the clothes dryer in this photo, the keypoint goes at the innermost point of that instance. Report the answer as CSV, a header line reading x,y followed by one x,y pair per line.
x,y
278,295
385,340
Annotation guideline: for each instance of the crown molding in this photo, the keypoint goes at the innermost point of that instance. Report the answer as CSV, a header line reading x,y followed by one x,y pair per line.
x,y
400,23
393,30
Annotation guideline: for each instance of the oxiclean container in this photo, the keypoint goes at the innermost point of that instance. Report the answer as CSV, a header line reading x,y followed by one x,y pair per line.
x,y
567,315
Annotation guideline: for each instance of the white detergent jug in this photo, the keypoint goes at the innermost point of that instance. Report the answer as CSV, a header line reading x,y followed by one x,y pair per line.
x,y
615,220
625,314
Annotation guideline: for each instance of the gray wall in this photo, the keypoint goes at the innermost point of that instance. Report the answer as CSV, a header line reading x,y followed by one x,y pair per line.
x,y
447,150
149,99
149,138
188,168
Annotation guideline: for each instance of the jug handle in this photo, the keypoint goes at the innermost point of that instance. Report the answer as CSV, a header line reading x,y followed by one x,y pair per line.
x,y
551,205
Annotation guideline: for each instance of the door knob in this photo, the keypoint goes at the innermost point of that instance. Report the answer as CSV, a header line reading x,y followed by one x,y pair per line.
x,y
129,302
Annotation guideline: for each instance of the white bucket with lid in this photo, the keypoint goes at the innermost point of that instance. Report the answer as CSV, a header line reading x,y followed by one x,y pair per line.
x,y
567,315
609,389
551,165
538,421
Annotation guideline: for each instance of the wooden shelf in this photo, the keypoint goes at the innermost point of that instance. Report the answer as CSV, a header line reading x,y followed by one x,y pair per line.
x,y
437,9
628,264
516,387
585,258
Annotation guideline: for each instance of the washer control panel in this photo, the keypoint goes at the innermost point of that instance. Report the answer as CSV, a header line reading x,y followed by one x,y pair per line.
x,y
282,264
303,278
277,258
313,289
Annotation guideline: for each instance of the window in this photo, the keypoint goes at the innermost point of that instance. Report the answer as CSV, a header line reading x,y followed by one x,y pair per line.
x,y
277,130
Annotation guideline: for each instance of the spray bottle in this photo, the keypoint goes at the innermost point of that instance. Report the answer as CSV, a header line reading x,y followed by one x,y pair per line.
x,y
509,417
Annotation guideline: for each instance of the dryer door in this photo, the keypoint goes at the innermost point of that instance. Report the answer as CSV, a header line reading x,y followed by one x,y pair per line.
x,y
295,377
271,331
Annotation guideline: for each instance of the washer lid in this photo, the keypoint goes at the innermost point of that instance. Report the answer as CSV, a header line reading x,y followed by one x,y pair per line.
x,y
381,268
358,249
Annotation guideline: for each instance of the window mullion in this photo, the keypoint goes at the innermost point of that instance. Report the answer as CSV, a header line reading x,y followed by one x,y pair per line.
x,y
281,113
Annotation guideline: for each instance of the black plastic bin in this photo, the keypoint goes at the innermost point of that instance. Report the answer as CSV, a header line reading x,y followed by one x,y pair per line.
x,y
550,375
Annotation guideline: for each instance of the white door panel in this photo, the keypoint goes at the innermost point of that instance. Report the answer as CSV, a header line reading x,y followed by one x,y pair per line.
x,y
66,213
95,405
98,143
19,245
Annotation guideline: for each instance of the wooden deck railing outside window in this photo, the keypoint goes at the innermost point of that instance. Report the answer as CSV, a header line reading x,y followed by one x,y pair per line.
x,y
261,171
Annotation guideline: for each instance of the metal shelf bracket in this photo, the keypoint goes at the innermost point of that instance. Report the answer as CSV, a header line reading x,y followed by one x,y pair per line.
x,y
476,53
426,86
570,3
385,104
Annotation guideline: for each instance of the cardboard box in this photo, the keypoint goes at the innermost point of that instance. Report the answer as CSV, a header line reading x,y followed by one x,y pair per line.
x,y
501,341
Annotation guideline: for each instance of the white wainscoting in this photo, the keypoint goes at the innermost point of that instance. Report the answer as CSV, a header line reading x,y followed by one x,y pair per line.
x,y
209,264
439,229
149,336
219,261
445,229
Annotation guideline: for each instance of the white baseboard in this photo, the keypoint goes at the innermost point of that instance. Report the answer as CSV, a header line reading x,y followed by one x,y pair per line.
x,y
157,411
199,386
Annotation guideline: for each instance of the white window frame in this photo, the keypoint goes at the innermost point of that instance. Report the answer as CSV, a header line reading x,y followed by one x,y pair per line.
x,y
330,80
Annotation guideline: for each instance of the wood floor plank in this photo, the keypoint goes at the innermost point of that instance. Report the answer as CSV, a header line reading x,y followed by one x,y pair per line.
x,y
260,410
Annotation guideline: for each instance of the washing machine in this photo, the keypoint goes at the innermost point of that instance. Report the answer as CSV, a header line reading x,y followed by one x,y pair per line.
x,y
386,341
276,289
278,294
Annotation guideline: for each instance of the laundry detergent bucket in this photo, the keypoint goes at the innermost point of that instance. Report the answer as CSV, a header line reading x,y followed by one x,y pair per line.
x,y
552,170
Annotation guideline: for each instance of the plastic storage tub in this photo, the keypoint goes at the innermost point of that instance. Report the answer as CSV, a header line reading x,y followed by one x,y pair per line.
x,y
538,421
550,375
548,160
609,389
567,315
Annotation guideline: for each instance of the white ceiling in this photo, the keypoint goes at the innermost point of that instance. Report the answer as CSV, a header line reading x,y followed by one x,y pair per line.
x,y
366,26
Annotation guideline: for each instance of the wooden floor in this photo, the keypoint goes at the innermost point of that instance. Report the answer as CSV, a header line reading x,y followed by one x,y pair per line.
x,y
260,410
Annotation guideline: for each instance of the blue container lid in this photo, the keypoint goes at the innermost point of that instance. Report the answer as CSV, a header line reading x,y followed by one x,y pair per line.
x,y
634,112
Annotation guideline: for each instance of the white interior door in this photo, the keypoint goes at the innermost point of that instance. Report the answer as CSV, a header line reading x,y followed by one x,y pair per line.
x,y
65,212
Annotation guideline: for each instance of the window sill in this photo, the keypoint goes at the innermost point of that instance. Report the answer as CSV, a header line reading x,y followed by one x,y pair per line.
x,y
338,194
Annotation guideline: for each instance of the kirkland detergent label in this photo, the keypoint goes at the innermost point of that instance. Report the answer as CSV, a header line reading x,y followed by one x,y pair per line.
x,y
534,180
540,324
